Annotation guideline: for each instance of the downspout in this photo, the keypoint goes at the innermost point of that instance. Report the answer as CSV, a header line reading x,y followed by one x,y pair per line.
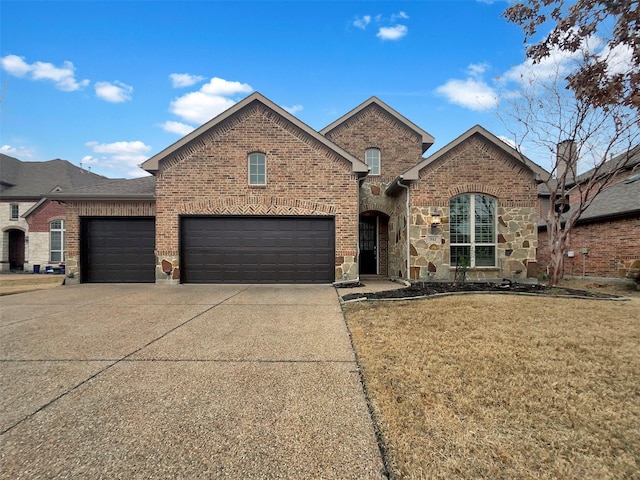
x,y
408,214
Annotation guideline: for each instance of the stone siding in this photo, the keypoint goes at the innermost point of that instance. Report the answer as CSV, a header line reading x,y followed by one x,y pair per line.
x,y
474,166
7,223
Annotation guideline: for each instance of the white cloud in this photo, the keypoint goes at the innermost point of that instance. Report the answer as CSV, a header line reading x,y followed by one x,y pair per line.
x,y
15,65
392,33
294,109
476,70
181,80
116,92
212,99
470,93
63,77
362,22
21,153
398,15
619,59
119,156
177,127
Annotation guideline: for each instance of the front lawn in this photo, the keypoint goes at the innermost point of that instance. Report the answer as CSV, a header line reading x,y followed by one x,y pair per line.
x,y
503,387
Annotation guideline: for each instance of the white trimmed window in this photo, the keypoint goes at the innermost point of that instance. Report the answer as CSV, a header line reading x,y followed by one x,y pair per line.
x,y
257,169
15,211
372,158
56,241
473,230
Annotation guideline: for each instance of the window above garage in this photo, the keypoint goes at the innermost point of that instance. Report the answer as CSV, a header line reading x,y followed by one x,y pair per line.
x,y
257,169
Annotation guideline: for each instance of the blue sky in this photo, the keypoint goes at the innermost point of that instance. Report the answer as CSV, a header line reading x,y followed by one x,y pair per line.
x,y
111,83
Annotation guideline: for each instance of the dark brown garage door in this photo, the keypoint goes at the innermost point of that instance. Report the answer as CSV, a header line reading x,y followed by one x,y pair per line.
x,y
117,250
257,249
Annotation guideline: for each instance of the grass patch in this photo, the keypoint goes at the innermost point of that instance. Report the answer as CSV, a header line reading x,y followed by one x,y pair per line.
x,y
503,387
11,283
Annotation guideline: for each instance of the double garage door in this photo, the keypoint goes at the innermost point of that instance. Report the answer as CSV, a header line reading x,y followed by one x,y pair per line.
x,y
223,249
257,249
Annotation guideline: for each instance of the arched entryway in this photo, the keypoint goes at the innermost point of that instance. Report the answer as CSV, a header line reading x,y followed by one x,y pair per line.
x,y
16,249
374,243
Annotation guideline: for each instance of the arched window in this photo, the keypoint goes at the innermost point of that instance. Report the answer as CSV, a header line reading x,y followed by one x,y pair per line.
x,y
372,158
257,169
473,230
56,241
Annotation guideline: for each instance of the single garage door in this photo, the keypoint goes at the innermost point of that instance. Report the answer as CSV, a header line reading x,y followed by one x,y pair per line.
x,y
117,250
257,249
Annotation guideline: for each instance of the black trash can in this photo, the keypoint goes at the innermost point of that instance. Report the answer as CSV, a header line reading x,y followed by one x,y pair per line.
x,y
36,269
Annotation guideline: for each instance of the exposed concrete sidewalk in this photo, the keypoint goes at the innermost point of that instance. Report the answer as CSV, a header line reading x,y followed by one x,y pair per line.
x,y
195,381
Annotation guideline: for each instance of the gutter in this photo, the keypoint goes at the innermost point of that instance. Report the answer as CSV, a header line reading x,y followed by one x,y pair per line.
x,y
400,184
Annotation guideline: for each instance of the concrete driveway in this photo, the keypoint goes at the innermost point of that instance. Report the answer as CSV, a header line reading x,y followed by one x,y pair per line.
x,y
193,381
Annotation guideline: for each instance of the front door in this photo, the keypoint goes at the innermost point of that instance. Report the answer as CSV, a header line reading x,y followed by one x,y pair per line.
x,y
368,246
16,249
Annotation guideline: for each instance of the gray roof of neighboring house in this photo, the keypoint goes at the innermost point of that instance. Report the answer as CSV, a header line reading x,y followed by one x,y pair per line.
x,y
32,180
143,188
427,138
625,161
619,199
152,164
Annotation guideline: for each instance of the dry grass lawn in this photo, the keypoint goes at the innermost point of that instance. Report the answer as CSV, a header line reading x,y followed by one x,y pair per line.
x,y
503,387
11,283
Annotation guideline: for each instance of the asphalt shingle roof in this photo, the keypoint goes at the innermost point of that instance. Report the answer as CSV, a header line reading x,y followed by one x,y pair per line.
x,y
143,187
20,179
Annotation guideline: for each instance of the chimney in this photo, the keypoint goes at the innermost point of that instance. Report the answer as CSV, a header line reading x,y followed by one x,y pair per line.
x,y
567,159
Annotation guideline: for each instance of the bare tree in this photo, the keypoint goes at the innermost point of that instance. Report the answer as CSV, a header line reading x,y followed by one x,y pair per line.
x,y
611,74
547,120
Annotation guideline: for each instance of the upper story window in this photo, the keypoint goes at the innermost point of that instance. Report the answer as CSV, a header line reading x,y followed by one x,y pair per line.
x,y
473,230
15,211
372,158
56,241
257,169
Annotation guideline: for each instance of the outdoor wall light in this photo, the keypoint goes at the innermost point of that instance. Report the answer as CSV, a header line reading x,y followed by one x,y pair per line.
x,y
435,219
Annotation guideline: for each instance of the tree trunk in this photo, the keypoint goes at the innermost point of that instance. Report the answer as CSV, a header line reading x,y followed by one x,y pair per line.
x,y
556,267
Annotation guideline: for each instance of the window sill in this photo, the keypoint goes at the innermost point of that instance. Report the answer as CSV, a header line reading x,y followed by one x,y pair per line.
x,y
257,186
475,269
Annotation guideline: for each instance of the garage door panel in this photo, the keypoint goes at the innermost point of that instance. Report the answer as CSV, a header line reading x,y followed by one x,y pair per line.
x,y
118,250
257,249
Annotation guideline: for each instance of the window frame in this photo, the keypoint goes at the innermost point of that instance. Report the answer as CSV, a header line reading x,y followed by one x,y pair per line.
x,y
63,238
257,156
470,229
375,168
14,207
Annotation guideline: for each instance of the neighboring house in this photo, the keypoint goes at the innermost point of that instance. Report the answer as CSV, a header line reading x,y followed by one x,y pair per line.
x,y
33,227
255,195
605,242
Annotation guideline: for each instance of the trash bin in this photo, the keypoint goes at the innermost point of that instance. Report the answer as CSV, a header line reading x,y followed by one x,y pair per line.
x,y
36,269
62,268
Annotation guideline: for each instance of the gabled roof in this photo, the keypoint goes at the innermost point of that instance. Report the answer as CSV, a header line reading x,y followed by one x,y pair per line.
x,y
625,161
427,138
152,164
143,188
414,172
32,180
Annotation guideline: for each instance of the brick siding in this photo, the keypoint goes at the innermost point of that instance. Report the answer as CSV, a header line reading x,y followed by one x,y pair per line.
x,y
610,243
304,177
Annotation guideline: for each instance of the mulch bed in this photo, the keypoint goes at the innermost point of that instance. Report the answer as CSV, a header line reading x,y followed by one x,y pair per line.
x,y
420,289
